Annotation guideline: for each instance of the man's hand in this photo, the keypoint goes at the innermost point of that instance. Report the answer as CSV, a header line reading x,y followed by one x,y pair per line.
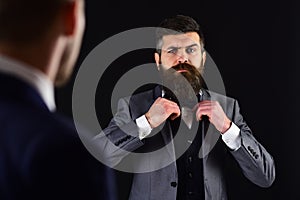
x,y
215,114
160,110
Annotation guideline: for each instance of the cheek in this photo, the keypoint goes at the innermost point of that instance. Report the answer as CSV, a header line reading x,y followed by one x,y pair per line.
x,y
168,62
196,61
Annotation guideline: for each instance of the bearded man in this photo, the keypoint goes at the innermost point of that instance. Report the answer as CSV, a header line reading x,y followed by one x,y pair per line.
x,y
170,135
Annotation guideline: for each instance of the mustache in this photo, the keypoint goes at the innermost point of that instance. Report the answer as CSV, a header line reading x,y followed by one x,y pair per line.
x,y
185,67
173,79
190,72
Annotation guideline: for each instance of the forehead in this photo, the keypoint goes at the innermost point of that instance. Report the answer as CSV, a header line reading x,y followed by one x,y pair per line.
x,y
181,40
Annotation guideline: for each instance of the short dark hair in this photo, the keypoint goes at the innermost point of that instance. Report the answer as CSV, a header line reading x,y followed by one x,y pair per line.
x,y
177,24
26,20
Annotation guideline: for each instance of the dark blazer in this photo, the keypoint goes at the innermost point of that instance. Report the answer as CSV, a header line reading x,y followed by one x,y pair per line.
x,y
160,183
41,155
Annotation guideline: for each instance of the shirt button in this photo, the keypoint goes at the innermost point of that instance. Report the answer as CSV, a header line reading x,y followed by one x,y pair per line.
x,y
190,193
173,184
190,159
190,175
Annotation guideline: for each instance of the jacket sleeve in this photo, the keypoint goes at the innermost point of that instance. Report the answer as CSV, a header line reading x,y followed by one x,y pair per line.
x,y
256,163
120,137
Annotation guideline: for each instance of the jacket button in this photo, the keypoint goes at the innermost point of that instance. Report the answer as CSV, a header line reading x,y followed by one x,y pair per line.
x,y
251,150
173,184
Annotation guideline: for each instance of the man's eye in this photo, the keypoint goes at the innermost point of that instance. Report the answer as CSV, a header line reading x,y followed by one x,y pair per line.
x,y
173,51
191,50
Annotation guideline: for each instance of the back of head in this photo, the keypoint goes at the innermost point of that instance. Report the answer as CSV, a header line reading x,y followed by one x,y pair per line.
x,y
26,20
178,24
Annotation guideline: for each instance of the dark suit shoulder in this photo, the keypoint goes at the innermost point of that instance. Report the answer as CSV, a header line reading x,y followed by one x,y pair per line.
x,y
216,95
136,98
45,158
140,103
221,98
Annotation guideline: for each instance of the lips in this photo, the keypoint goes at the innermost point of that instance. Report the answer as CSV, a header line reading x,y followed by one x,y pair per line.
x,y
182,70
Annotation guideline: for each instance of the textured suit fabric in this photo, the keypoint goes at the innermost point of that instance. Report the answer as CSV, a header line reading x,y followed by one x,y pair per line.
x,y
41,154
255,162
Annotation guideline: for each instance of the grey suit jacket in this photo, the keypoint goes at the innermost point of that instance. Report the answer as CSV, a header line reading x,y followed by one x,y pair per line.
x,y
156,173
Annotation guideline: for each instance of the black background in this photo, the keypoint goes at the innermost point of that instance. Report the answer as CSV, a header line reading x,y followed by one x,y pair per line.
x,y
255,45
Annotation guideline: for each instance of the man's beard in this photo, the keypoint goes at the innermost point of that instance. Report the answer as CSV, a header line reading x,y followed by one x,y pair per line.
x,y
184,81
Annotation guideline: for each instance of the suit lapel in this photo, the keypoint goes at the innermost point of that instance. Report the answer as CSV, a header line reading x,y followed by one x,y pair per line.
x,y
140,103
166,130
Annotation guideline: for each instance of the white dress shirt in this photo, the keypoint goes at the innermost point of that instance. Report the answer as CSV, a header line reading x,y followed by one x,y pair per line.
x,y
37,79
231,137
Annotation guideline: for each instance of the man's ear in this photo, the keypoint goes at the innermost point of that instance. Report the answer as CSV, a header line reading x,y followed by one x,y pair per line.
x,y
70,12
204,57
157,59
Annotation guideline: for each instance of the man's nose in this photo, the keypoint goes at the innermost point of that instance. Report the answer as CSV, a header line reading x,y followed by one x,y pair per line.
x,y
182,58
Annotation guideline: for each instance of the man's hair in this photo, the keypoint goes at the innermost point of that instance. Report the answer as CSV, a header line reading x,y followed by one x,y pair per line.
x,y
178,24
27,20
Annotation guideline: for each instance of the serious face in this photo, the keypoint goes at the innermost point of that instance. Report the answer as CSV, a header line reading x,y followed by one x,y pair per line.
x,y
181,48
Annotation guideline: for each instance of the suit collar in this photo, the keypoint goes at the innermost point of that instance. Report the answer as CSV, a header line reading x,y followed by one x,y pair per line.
x,y
140,103
16,90
32,76
206,94
157,91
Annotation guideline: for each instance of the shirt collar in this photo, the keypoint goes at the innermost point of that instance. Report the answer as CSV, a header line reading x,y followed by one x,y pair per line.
x,y
163,92
187,113
32,76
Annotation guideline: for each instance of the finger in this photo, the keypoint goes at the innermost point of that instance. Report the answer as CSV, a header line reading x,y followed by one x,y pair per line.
x,y
198,115
168,101
174,116
202,112
173,109
177,112
203,104
206,103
